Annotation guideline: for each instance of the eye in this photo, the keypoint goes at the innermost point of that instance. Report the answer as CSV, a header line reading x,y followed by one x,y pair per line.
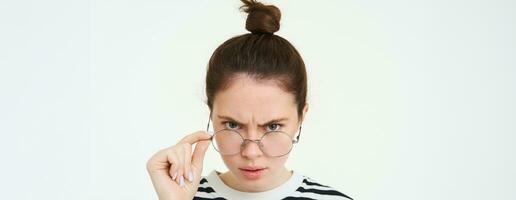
x,y
231,125
273,127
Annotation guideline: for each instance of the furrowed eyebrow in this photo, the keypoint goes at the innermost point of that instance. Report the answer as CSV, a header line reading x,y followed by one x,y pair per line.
x,y
274,121
229,118
269,122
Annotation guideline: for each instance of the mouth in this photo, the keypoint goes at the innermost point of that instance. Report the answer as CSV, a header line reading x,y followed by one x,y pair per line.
x,y
252,173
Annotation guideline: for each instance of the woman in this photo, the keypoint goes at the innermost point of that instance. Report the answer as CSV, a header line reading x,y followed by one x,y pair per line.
x,y
256,88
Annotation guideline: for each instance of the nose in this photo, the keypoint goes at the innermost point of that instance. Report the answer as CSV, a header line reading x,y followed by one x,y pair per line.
x,y
251,149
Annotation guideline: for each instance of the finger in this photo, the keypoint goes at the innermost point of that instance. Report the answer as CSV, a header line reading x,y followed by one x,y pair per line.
x,y
199,153
180,165
187,169
160,161
158,166
195,137
172,172
174,162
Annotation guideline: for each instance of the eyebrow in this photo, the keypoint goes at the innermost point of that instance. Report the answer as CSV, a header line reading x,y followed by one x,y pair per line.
x,y
269,122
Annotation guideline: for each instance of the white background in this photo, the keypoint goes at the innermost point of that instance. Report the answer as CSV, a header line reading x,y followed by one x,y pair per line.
x,y
408,99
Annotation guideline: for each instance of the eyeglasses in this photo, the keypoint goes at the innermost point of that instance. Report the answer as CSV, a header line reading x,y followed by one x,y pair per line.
x,y
272,143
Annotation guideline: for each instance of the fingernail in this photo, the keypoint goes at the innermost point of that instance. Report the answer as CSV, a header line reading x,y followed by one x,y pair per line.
x,y
181,181
175,176
190,176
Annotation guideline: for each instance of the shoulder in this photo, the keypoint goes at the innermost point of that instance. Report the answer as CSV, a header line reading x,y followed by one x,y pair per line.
x,y
312,189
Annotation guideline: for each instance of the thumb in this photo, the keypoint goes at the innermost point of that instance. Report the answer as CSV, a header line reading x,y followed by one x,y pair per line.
x,y
199,153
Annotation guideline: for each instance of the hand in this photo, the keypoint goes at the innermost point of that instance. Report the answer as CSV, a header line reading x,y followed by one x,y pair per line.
x,y
175,172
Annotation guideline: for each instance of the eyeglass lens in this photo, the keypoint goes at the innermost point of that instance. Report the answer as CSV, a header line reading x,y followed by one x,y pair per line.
x,y
275,143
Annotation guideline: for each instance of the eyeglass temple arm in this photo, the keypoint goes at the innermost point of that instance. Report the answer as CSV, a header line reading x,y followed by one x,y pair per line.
x,y
208,124
208,128
298,135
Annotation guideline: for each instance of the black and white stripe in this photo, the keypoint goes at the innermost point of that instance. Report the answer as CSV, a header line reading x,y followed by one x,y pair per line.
x,y
309,189
204,191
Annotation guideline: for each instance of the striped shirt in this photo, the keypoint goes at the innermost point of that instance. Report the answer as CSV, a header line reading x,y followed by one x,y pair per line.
x,y
297,187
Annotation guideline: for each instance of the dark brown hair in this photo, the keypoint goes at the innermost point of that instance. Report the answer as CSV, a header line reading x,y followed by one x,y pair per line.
x,y
260,54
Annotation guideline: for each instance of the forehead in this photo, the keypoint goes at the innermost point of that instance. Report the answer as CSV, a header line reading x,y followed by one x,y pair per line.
x,y
246,96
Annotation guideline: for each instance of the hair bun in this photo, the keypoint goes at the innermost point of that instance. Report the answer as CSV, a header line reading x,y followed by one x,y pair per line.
x,y
261,18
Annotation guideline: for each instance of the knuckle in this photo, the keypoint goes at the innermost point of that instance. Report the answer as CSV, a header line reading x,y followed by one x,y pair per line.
x,y
199,132
173,168
177,155
148,165
186,146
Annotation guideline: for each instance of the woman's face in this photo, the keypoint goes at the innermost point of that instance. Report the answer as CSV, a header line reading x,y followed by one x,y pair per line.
x,y
252,108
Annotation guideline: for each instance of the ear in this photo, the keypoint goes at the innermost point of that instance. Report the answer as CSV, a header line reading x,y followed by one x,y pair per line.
x,y
305,109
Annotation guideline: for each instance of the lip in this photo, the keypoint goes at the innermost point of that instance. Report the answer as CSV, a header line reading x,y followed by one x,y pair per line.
x,y
252,173
252,168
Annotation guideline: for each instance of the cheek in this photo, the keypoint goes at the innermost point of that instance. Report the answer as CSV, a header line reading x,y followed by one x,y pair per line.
x,y
277,162
232,162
